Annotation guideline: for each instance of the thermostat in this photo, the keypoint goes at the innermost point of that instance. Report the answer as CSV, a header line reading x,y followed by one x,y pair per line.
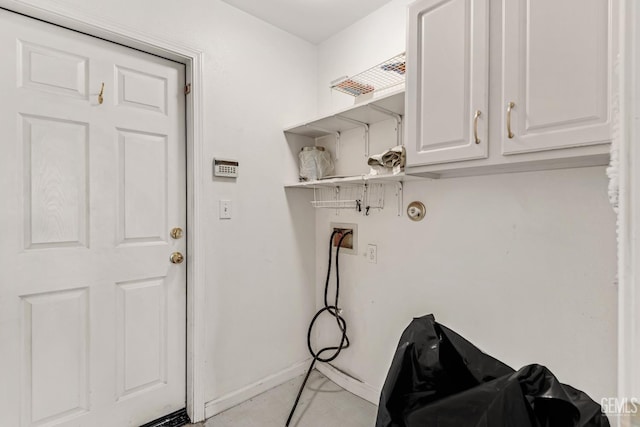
x,y
225,168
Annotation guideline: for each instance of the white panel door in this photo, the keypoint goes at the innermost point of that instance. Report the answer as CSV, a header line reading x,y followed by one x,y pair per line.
x,y
92,311
447,81
557,57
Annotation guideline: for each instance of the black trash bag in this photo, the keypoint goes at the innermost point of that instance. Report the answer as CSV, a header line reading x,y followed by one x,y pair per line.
x,y
439,379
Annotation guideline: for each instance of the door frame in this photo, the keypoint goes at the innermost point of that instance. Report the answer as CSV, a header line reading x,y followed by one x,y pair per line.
x,y
628,137
192,58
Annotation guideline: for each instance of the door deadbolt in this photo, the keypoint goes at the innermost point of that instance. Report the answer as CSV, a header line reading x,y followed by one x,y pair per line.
x,y
177,258
176,233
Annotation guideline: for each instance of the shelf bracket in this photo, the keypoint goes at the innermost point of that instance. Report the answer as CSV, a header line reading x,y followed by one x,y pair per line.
x,y
364,125
329,132
365,198
400,196
396,116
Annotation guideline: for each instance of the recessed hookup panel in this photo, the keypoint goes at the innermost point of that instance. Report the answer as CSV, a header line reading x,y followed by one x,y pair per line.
x,y
350,243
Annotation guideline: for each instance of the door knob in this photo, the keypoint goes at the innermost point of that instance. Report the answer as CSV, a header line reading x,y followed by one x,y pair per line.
x,y
176,233
177,258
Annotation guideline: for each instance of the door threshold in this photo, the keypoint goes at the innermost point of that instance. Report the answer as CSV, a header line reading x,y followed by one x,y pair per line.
x,y
174,419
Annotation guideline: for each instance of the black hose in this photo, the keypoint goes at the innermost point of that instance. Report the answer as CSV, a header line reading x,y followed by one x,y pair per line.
x,y
332,310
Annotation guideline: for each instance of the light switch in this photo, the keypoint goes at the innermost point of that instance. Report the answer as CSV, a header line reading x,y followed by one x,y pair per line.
x,y
372,253
225,209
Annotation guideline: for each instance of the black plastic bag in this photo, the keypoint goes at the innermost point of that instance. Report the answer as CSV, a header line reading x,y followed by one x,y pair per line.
x,y
439,379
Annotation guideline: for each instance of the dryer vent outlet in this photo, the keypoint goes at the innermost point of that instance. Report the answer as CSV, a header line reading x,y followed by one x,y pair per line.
x,y
350,242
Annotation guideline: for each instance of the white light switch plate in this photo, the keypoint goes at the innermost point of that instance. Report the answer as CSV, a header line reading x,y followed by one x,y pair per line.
x,y
225,209
372,254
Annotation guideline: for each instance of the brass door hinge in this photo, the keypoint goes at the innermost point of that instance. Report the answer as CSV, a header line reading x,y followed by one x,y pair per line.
x,y
187,89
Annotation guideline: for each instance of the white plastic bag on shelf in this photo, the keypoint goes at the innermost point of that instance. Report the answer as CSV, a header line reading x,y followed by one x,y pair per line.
x,y
315,163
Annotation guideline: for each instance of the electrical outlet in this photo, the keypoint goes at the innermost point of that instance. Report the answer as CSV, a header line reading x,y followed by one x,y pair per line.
x,y
350,242
372,254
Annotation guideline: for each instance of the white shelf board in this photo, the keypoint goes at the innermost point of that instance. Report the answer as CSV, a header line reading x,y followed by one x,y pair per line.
x,y
354,180
361,112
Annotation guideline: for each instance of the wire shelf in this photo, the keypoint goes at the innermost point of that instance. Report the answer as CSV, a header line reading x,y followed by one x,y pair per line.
x,y
361,197
383,76
337,204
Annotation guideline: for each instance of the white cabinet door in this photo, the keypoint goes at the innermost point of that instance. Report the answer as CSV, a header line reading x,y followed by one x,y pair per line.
x,y
447,81
92,311
556,63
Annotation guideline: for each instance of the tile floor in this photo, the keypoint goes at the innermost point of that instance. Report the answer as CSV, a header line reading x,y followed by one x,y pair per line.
x,y
322,404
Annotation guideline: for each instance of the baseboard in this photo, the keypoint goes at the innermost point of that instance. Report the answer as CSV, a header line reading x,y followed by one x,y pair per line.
x,y
363,390
252,390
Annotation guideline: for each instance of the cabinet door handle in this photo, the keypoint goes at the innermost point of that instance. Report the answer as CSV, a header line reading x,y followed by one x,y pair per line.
x,y
476,116
509,108
100,97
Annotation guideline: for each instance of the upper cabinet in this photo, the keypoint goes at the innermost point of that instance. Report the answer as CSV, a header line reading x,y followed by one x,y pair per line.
x,y
508,85
449,66
557,74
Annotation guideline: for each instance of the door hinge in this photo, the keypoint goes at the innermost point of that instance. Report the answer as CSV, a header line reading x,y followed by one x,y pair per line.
x,y
187,89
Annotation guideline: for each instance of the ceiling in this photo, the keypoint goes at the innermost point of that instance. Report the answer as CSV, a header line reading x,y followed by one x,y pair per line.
x,y
312,20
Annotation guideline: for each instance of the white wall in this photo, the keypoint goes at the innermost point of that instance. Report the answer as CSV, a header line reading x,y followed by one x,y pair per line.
x,y
260,264
491,248
523,265
368,42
